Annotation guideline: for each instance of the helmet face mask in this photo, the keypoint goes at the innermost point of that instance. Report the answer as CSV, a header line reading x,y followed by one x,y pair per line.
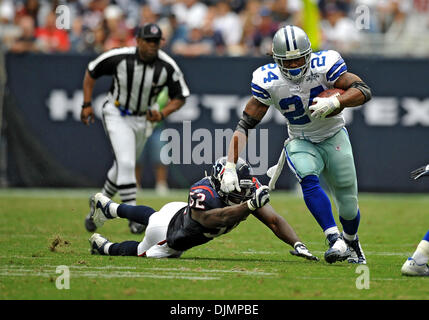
x,y
291,43
245,179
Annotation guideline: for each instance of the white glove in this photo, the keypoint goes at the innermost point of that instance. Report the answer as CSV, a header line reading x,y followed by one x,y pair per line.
x,y
229,179
302,251
324,106
260,198
420,172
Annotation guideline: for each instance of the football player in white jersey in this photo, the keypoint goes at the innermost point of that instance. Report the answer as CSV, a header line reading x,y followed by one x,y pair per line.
x,y
318,142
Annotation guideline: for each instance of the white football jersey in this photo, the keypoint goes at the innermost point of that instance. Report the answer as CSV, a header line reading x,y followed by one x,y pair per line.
x,y
270,87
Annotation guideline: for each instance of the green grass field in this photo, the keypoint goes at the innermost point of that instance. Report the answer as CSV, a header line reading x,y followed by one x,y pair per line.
x,y
43,229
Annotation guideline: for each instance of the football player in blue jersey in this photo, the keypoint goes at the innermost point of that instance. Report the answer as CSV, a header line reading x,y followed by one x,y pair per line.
x,y
209,213
318,142
417,264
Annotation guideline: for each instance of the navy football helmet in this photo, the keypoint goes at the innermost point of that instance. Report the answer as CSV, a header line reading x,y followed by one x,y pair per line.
x,y
245,179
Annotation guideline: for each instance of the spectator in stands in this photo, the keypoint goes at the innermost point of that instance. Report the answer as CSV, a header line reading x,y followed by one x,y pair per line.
x,y
339,31
51,38
9,31
195,44
118,33
29,8
27,41
78,37
147,15
264,32
190,12
229,24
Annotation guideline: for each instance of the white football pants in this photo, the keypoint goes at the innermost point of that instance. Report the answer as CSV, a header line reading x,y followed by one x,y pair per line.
x,y
127,135
154,244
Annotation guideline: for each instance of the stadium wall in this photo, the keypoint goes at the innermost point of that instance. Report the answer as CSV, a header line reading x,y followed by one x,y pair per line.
x,y
48,146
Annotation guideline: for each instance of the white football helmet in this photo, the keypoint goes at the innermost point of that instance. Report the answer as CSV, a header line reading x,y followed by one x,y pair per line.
x,y
289,43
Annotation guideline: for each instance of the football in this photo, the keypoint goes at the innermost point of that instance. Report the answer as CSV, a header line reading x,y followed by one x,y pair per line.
x,y
330,93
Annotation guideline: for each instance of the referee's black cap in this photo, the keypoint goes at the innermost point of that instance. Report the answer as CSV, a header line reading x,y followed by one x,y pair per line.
x,y
149,31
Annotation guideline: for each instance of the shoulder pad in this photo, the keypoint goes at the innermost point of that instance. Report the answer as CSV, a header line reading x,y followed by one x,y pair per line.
x,y
330,63
262,80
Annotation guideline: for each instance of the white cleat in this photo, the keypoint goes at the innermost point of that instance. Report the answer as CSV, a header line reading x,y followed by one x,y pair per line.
x,y
98,242
411,268
338,249
100,209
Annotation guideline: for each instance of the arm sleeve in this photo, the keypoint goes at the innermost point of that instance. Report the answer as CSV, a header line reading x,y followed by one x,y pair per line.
x,y
177,88
259,91
106,63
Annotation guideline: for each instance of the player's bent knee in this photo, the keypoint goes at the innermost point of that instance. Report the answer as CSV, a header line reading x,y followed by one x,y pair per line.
x,y
348,207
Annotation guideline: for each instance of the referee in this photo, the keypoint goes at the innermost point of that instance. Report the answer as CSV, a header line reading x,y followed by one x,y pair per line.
x,y
138,76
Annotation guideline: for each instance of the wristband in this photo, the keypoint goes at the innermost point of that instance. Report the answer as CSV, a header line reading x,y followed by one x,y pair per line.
x,y
86,104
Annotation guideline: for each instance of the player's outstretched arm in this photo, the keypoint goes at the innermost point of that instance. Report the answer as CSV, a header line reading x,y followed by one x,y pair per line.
x,y
231,215
221,217
420,172
282,229
252,115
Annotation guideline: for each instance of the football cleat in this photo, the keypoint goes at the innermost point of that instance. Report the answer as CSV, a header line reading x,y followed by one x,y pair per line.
x,y
302,251
136,228
411,268
357,255
338,249
100,210
98,242
89,223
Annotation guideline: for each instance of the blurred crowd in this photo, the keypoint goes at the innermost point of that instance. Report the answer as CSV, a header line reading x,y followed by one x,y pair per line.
x,y
216,27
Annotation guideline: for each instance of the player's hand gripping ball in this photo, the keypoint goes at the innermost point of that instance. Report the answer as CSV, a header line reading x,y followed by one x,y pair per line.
x,y
326,104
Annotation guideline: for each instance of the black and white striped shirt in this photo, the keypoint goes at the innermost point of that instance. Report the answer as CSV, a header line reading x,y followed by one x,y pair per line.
x,y
136,84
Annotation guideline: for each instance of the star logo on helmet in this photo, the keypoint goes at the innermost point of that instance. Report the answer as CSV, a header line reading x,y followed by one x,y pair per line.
x,y
153,30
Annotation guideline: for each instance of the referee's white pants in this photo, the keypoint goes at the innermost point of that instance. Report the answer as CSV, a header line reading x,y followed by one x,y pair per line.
x,y
127,135
154,244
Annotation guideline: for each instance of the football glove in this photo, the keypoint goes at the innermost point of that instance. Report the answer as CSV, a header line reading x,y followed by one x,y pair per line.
x,y
302,251
260,198
324,106
420,172
229,181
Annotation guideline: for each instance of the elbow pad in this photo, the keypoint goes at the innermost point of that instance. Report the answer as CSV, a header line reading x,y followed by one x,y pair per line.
x,y
363,87
246,122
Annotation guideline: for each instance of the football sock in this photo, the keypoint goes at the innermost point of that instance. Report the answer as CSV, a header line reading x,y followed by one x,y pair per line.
x,y
109,189
128,193
317,202
421,255
331,230
350,227
126,248
139,214
112,209
426,237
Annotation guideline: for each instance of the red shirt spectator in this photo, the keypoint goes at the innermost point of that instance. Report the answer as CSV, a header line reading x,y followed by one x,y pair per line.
x,y
51,38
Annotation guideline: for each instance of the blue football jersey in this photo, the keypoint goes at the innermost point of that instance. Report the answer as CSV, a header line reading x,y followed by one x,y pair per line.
x,y
184,232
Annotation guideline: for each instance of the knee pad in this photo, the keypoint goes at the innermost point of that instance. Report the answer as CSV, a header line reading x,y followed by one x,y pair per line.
x,y
347,206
